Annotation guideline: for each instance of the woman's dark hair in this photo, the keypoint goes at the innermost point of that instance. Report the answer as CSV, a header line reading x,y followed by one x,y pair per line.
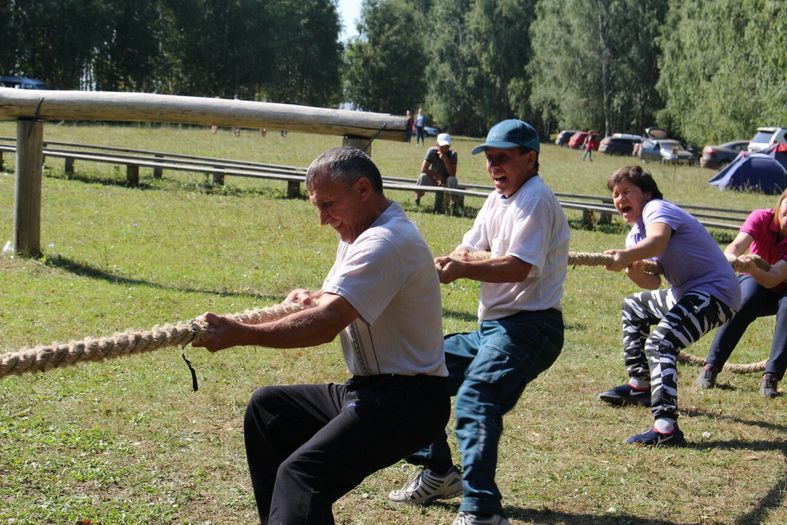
x,y
638,177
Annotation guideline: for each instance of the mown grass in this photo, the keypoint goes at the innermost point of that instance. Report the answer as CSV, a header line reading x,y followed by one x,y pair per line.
x,y
127,441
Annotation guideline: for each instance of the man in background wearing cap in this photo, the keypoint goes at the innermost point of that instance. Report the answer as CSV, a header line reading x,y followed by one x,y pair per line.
x,y
439,169
521,325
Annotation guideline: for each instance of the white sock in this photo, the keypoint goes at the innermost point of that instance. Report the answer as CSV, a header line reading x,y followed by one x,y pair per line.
x,y
664,426
639,384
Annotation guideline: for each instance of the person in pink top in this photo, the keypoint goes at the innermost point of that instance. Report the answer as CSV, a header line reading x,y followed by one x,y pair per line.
x,y
764,293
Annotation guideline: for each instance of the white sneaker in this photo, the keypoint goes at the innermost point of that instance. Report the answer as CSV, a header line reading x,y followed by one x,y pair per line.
x,y
463,518
424,486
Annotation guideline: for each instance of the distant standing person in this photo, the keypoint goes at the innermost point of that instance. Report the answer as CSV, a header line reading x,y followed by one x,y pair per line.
x,y
764,293
439,169
420,123
588,148
410,126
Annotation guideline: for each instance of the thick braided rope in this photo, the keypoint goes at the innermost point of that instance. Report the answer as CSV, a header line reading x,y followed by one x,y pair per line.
x,y
42,358
601,259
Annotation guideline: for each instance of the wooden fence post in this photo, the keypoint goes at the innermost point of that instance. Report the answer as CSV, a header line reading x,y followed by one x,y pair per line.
x,y
362,143
158,171
69,167
132,175
27,207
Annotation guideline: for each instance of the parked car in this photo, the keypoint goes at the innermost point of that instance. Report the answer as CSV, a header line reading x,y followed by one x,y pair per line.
x,y
718,156
619,144
662,150
767,137
578,139
22,83
564,136
430,131
673,152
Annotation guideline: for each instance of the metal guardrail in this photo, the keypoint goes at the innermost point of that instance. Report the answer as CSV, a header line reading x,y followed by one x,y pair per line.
x,y
134,159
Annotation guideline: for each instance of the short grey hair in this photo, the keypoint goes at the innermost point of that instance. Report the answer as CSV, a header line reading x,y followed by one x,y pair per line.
x,y
345,165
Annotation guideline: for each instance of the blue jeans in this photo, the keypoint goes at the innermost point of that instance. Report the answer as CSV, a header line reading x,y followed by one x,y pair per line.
x,y
758,301
487,371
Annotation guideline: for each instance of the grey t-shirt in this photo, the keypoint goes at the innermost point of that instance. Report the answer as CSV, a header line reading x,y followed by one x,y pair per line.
x,y
437,163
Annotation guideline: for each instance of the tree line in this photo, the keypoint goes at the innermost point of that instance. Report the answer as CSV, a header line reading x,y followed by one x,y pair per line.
x,y
707,70
282,50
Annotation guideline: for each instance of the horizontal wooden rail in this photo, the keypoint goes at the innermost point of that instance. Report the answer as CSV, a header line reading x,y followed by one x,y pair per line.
x,y
150,153
145,107
294,176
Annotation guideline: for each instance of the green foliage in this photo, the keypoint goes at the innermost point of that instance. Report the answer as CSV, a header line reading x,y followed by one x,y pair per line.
x,y
594,63
306,55
385,63
280,50
723,70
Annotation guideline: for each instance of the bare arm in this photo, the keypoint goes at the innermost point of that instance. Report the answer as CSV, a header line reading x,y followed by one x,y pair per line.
x,y
768,278
450,167
310,327
738,246
642,278
505,269
657,237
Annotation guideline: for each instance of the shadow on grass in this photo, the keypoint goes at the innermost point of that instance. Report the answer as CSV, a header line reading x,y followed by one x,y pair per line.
x,y
694,412
546,516
92,272
461,316
774,498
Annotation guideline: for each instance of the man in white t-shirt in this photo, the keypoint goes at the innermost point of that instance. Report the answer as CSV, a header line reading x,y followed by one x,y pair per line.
x,y
307,445
521,328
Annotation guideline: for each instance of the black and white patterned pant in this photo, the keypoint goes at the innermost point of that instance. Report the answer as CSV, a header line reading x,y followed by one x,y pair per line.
x,y
655,355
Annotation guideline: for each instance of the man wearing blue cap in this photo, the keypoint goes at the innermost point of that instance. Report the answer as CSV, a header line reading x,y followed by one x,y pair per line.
x,y
523,227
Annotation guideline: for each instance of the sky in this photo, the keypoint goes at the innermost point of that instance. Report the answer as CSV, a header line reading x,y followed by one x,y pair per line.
x,y
350,12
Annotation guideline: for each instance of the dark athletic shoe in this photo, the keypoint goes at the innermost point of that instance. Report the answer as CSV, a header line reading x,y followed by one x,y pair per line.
x,y
707,378
769,386
626,395
654,438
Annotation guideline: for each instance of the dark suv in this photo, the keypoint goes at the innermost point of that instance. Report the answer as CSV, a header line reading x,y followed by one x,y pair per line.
x,y
619,144
22,83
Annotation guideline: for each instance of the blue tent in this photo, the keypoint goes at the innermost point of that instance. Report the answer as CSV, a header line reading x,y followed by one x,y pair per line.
x,y
765,172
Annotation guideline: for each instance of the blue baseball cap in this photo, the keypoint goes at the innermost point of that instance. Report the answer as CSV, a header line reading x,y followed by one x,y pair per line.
x,y
508,134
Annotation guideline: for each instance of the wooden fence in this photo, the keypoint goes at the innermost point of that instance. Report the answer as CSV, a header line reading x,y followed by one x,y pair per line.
x,y
30,108
593,207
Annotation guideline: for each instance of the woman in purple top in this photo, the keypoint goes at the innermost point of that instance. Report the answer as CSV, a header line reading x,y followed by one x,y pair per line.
x,y
764,293
703,295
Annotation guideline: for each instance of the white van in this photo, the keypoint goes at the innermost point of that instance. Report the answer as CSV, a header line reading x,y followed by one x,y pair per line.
x,y
767,137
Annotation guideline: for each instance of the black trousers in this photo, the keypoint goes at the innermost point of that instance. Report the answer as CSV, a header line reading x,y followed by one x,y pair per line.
x,y
308,445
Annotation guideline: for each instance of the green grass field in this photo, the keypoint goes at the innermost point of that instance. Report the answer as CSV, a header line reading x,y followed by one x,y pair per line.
x,y
127,441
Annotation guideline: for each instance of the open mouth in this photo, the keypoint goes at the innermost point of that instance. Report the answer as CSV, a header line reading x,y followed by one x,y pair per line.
x,y
625,209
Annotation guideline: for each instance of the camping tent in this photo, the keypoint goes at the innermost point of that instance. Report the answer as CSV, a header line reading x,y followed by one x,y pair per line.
x,y
765,172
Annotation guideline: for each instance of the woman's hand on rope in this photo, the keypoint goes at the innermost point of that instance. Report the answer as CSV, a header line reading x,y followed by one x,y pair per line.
x,y
223,332
619,260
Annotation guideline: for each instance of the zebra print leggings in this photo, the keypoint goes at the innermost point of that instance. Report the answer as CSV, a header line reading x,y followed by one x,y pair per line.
x,y
654,355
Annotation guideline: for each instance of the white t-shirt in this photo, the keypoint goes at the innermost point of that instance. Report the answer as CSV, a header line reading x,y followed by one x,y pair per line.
x,y
387,274
531,226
